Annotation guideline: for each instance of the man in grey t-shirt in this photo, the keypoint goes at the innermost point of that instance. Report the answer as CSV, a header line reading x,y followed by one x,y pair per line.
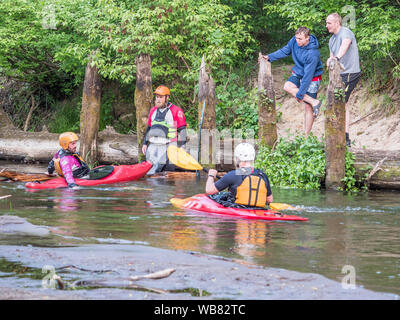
x,y
343,47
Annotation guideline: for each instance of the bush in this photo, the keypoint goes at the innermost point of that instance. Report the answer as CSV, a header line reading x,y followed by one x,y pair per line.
x,y
301,164
237,107
66,117
295,164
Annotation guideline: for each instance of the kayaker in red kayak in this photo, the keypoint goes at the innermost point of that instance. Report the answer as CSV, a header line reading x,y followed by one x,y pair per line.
x,y
67,162
247,186
166,124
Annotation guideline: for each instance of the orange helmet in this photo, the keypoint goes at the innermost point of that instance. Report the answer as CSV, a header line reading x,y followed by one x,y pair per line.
x,y
66,138
162,91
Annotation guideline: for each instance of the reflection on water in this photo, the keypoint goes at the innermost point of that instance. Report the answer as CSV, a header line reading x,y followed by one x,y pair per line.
x,y
360,230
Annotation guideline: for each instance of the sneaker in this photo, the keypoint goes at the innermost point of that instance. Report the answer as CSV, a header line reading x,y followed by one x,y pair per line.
x,y
316,109
348,142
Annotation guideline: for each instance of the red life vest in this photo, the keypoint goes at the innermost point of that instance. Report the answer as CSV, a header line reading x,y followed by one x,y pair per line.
x,y
165,124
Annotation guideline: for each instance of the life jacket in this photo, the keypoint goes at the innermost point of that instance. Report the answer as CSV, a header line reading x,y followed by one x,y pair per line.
x,y
252,191
164,124
79,172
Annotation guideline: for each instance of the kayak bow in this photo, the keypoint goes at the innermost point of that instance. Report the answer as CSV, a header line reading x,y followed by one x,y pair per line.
x,y
120,174
202,203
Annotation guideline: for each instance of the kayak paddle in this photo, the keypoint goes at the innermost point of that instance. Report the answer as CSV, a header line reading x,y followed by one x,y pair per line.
x,y
24,177
184,160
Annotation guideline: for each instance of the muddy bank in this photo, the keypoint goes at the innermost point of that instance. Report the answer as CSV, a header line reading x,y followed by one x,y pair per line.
x,y
196,276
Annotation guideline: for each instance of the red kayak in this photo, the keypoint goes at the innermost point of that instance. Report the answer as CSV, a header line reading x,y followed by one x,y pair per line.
x,y
201,202
122,173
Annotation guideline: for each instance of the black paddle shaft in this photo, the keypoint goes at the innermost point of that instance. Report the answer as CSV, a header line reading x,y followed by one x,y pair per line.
x,y
206,170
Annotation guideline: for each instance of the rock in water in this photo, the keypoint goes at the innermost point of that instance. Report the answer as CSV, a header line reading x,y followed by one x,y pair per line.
x,y
17,225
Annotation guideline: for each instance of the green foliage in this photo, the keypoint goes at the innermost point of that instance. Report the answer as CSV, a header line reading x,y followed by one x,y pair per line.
x,y
246,113
267,28
27,48
295,164
301,164
175,33
106,110
66,117
17,99
237,109
27,45
350,182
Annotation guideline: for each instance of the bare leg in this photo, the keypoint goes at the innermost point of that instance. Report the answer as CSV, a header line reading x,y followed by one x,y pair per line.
x,y
347,125
308,119
291,88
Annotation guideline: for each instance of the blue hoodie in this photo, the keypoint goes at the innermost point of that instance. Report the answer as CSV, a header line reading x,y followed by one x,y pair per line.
x,y
307,61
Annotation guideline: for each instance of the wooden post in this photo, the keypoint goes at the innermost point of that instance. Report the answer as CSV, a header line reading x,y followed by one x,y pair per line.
x,y
267,131
90,114
143,98
335,138
207,119
28,118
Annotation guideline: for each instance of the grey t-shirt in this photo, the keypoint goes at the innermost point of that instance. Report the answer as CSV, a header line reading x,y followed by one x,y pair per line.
x,y
350,60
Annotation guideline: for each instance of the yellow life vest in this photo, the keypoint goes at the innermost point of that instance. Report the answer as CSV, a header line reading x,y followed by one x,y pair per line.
x,y
252,191
58,167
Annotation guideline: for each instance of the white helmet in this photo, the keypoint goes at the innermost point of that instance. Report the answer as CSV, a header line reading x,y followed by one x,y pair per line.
x,y
245,152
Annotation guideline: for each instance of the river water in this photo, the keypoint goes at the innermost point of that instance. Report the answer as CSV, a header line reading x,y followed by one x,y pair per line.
x,y
358,232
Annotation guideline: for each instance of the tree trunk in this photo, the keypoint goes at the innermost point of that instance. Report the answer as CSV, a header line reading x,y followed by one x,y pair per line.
x,y
28,147
207,116
28,118
335,139
267,131
90,114
382,168
143,97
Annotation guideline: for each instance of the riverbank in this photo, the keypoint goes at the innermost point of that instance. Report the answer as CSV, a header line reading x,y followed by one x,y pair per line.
x,y
196,276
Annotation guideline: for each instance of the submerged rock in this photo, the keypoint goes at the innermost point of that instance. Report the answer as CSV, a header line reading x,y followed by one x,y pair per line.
x,y
17,225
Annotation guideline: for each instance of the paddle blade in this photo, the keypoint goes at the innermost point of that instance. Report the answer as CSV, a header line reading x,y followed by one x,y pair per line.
x,y
281,206
24,177
176,202
182,159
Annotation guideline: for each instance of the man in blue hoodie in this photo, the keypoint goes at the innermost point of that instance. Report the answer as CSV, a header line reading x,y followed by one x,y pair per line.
x,y
306,73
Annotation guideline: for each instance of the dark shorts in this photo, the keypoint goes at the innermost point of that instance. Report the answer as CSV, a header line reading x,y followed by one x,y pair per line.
x,y
157,154
312,89
350,81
